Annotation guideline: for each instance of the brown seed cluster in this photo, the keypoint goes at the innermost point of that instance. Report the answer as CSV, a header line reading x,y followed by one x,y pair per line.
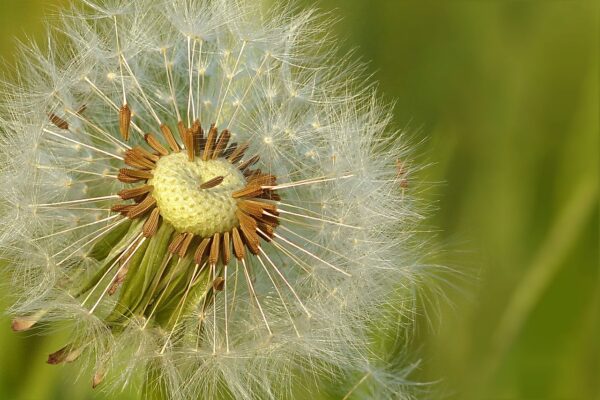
x,y
257,211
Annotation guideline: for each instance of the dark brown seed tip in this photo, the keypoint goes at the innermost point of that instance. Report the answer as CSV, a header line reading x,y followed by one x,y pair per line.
x,y
55,358
98,378
218,283
21,324
58,121
67,354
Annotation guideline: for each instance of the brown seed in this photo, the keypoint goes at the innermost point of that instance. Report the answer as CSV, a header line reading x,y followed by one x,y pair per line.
x,y
200,146
198,134
58,121
265,231
135,173
142,208
140,151
21,324
139,198
151,224
210,143
99,376
248,227
238,153
249,162
221,143
263,180
401,173
216,181
121,208
197,128
181,129
136,160
200,250
190,144
218,283
256,208
185,244
166,131
155,144
229,150
187,139
249,191
238,244
213,256
67,354
118,281
400,167
127,194
226,253
269,219
124,121
176,243
127,179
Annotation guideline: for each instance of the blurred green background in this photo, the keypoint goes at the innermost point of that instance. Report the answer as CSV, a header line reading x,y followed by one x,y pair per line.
x,y
504,95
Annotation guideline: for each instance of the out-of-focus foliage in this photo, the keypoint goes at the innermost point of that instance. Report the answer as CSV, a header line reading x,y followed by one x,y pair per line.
x,y
504,95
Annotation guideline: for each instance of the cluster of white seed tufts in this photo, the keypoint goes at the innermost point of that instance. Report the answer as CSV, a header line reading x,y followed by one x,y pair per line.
x,y
212,197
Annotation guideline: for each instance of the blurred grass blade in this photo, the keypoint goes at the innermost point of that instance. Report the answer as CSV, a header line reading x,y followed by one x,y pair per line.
x,y
544,267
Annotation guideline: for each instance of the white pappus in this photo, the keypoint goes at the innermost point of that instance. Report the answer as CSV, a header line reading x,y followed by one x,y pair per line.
x,y
213,197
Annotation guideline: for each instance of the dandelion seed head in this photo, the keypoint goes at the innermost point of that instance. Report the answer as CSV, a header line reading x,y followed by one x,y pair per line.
x,y
213,197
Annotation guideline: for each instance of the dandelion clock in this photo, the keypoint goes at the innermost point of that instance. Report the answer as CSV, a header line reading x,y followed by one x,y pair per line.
x,y
212,201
